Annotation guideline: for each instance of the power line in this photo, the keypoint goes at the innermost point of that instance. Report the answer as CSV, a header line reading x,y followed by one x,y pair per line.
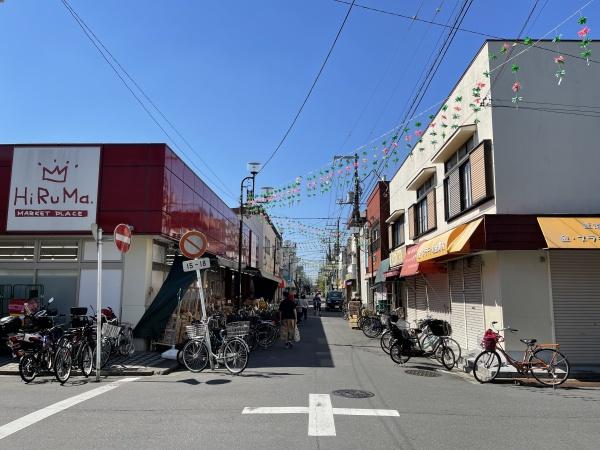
x,y
95,40
311,88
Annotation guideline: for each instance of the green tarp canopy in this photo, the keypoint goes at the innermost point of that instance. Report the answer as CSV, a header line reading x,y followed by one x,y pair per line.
x,y
153,322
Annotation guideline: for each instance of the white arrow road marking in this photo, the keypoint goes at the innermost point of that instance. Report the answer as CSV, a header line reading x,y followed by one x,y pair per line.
x,y
320,413
122,238
36,416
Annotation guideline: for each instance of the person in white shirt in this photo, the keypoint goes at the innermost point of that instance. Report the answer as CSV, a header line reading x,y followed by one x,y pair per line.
x,y
303,303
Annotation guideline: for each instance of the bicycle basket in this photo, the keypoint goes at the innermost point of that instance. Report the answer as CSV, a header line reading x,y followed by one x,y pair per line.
x,y
110,331
489,341
238,329
440,328
195,331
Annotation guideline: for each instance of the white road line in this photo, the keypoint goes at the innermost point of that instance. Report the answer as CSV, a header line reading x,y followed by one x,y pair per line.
x,y
366,412
320,415
276,410
34,417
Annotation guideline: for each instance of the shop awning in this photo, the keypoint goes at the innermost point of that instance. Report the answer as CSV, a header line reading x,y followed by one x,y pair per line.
x,y
571,232
391,273
270,277
455,240
411,266
383,267
228,263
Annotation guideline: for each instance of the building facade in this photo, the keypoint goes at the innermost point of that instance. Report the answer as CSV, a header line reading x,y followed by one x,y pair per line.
x,y
495,217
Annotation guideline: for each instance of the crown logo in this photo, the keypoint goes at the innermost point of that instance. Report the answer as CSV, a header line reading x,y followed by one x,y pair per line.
x,y
57,174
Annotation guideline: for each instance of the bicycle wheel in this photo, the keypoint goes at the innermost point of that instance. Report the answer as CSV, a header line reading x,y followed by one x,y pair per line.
x,y
447,358
86,356
486,366
455,346
195,355
396,354
265,335
549,367
373,329
62,364
235,356
105,351
125,346
386,341
28,368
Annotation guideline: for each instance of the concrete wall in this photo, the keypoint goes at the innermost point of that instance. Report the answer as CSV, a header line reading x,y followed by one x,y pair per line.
x,y
525,292
400,197
547,161
492,298
137,279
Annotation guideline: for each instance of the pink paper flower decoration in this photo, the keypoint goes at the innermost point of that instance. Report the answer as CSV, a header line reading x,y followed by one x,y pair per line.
x,y
516,86
506,46
407,138
559,59
457,108
418,133
584,32
394,145
432,124
480,84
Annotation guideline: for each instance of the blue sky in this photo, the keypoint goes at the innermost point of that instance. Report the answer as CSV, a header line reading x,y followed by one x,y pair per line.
x,y
231,75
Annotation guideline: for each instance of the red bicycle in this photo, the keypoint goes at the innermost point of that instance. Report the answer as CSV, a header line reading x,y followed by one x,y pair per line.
x,y
547,365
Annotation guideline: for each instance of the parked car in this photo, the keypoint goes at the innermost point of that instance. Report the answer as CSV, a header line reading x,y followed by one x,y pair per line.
x,y
334,300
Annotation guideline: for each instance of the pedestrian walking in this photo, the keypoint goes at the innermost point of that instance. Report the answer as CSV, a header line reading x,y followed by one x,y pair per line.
x,y
317,303
304,305
288,317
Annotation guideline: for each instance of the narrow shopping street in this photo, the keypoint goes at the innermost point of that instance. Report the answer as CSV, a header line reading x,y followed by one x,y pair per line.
x,y
203,410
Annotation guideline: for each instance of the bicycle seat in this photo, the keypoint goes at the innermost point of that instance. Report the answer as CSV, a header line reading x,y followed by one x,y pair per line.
x,y
528,341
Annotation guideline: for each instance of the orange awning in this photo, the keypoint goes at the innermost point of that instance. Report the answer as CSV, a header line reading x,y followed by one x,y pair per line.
x,y
411,266
571,232
460,244
455,240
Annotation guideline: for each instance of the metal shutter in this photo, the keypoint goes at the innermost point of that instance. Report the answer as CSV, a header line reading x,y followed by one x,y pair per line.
x,y
473,301
438,296
421,297
411,302
457,299
453,192
411,222
431,214
575,284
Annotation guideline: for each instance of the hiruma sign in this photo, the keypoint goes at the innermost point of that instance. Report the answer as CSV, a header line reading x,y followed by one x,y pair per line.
x,y
53,188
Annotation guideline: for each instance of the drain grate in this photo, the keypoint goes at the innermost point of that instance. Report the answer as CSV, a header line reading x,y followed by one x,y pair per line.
x,y
422,373
353,393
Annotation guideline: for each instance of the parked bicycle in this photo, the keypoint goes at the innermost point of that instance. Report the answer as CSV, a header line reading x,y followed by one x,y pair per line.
x,y
406,344
233,352
79,339
543,361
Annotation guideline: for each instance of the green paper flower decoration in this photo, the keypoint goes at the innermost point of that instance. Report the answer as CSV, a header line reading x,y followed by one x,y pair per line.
x,y
582,20
527,41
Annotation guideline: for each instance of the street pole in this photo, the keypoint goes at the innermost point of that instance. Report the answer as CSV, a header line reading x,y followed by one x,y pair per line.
x,y
356,217
99,305
240,238
204,317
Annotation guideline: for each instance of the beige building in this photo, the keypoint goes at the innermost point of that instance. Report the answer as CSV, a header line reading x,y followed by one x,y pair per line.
x,y
495,215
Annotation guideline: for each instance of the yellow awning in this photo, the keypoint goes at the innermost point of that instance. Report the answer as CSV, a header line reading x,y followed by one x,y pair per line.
x,y
460,244
571,232
439,245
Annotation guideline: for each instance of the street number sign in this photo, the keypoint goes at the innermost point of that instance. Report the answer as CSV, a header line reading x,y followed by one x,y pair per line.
x,y
196,264
123,237
193,244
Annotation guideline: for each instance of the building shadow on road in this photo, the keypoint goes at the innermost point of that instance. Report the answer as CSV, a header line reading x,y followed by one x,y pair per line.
x,y
311,351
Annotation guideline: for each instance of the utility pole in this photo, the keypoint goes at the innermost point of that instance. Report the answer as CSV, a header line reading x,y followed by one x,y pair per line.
x,y
356,220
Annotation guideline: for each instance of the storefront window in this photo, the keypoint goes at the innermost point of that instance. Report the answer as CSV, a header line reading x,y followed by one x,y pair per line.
x,y
59,250
17,250
62,285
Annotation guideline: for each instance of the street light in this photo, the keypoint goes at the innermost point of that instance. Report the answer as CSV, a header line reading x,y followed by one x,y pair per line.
x,y
253,168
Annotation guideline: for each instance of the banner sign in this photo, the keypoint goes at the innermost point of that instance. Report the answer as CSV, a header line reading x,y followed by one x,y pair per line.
x,y
53,188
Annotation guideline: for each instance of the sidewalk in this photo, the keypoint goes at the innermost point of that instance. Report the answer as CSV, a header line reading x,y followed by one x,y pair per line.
x,y
139,364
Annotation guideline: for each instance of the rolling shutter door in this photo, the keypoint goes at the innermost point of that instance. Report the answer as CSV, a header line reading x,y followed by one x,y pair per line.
x,y
457,299
575,284
421,297
473,301
411,305
438,297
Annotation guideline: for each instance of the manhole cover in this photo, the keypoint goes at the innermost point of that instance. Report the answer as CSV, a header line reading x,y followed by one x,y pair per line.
x,y
353,393
422,373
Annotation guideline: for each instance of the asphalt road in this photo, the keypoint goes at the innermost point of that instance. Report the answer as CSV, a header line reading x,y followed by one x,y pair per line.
x,y
184,410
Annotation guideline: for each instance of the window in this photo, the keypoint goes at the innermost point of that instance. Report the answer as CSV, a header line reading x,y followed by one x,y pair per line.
x,y
468,179
17,250
267,246
375,237
59,250
421,215
398,232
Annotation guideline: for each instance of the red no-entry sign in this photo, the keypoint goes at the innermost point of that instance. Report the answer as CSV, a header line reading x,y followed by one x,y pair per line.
x,y
123,237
